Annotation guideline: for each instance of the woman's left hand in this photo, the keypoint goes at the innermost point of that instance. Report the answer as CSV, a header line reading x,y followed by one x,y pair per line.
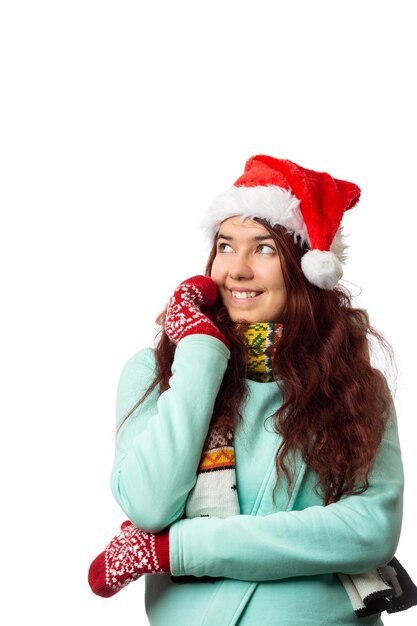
x,y
129,555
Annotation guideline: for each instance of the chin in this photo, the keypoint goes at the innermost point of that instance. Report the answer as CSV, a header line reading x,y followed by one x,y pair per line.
x,y
241,317
253,317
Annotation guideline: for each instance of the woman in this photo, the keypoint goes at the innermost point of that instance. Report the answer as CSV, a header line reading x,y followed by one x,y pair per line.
x,y
257,453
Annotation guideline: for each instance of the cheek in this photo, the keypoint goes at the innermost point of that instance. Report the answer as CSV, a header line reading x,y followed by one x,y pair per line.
x,y
279,281
281,292
270,274
276,284
280,285
217,271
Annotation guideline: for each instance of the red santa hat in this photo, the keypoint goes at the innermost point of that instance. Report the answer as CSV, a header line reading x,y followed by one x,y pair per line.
x,y
307,203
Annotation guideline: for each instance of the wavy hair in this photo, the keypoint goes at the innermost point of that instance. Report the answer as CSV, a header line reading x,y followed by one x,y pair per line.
x,y
335,403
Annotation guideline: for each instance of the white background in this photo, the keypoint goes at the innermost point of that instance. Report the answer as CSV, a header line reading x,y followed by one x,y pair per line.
x,y
119,123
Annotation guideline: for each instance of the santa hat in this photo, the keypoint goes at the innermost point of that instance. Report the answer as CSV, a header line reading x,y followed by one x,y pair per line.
x,y
307,203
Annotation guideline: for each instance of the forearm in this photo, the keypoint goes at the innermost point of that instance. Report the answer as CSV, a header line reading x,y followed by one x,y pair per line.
x,y
281,545
158,454
351,536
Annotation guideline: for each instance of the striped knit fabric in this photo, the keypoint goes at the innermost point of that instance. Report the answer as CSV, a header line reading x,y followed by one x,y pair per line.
x,y
215,492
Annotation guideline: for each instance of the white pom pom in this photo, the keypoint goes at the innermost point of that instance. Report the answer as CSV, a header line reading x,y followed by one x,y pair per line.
x,y
322,268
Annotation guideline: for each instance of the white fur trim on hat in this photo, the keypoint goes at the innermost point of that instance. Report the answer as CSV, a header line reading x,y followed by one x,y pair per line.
x,y
271,203
322,268
339,245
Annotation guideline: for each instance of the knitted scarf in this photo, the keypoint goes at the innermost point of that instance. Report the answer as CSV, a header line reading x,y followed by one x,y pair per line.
x,y
215,492
388,587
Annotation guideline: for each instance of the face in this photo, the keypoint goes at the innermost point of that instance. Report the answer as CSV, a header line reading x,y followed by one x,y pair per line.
x,y
247,271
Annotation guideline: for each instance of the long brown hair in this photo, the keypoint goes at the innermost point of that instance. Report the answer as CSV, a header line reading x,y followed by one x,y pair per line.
x,y
335,403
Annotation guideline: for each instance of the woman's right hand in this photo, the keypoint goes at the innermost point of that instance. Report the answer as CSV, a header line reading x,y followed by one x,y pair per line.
x,y
184,316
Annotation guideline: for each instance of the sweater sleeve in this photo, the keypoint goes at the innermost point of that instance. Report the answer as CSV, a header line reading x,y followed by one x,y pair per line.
x,y
158,447
352,536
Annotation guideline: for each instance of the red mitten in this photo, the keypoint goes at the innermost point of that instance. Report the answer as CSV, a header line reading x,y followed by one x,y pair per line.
x,y
183,314
129,555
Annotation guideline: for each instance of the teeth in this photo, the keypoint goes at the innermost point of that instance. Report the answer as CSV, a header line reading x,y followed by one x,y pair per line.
x,y
243,295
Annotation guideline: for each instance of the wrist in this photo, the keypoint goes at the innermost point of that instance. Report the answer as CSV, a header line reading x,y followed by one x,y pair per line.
x,y
216,333
161,542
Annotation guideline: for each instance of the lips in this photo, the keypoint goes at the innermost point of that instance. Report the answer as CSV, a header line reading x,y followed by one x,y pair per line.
x,y
244,295
241,296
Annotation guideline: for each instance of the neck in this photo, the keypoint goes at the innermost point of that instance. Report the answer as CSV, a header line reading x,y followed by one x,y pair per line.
x,y
260,339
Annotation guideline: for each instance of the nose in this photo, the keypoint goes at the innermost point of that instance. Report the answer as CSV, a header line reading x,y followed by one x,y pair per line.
x,y
240,268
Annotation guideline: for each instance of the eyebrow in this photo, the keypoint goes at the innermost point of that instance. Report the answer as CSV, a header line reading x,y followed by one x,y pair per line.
x,y
255,238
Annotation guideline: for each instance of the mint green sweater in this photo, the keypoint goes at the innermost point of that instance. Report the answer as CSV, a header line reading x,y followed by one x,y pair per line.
x,y
277,559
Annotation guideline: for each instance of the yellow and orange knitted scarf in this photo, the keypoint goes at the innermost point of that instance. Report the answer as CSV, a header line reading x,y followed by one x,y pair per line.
x,y
215,491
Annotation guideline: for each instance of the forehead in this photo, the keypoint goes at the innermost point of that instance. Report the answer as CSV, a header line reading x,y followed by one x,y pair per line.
x,y
237,227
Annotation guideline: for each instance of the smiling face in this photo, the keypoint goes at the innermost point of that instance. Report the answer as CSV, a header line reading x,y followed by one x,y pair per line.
x,y
247,270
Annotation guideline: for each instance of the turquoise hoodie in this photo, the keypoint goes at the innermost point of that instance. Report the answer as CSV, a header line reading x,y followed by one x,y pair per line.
x,y
277,560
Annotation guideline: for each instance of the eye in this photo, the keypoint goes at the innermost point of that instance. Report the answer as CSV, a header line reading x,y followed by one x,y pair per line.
x,y
221,247
266,249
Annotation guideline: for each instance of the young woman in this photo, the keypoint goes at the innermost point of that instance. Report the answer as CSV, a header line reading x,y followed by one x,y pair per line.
x,y
257,452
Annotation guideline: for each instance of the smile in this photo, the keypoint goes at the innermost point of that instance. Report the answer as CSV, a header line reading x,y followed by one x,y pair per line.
x,y
244,295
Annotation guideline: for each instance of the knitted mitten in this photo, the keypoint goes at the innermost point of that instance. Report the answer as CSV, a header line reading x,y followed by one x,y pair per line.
x,y
129,555
183,314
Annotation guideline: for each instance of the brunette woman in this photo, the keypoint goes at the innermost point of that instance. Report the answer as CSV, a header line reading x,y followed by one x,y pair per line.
x,y
257,453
